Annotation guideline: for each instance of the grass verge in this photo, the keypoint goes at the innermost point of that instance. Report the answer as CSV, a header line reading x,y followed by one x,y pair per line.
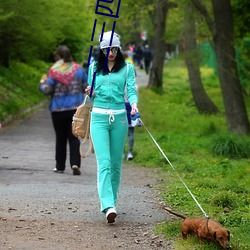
x,y
214,164
19,89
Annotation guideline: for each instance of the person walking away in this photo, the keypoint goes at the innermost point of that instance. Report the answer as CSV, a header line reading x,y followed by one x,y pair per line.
x,y
147,58
109,123
139,53
66,83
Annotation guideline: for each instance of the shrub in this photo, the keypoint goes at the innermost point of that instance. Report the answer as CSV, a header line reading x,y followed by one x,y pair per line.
x,y
223,200
231,146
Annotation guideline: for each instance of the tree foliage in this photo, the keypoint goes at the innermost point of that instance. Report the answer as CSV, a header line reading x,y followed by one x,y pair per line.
x,y
221,26
33,29
134,17
241,18
242,34
32,32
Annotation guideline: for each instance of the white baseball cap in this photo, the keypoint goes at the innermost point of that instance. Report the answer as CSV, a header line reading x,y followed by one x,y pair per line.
x,y
105,43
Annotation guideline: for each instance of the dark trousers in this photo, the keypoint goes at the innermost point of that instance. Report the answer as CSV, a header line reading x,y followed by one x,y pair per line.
x,y
147,65
62,122
131,139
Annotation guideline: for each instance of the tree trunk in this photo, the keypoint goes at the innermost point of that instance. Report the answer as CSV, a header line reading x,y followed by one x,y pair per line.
x,y
159,47
201,99
235,109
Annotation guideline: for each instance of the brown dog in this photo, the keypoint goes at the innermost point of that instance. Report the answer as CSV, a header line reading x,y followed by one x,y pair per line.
x,y
204,229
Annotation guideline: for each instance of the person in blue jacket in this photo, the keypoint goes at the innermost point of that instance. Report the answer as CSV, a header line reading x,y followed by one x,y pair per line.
x,y
65,83
109,124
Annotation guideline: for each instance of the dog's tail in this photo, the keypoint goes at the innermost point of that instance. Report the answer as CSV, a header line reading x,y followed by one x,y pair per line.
x,y
175,213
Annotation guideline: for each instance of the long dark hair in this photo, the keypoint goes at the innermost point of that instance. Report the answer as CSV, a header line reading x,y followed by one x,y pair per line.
x,y
119,62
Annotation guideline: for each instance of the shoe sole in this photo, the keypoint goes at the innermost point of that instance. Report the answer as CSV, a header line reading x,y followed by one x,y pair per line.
x,y
59,172
76,171
111,217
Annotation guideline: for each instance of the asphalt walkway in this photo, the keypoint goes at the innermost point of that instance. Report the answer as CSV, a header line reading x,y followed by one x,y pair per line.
x,y
29,188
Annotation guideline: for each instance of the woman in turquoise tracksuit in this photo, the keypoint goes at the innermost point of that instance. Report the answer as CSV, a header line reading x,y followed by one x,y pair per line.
x,y
109,123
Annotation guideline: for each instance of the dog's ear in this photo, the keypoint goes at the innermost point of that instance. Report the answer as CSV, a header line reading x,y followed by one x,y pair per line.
x,y
228,237
214,235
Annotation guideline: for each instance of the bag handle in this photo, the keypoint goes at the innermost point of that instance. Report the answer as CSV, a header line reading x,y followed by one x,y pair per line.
x,y
91,148
85,99
87,137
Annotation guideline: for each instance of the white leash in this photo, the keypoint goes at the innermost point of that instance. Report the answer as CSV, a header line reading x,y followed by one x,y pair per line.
x,y
174,169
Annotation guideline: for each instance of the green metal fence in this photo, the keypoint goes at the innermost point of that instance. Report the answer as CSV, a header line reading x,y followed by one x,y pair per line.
x,y
208,58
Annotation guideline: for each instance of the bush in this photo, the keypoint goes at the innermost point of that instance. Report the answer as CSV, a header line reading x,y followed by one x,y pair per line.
x,y
19,88
231,146
223,200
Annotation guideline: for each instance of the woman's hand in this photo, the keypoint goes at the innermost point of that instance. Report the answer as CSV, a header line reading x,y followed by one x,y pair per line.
x,y
134,109
87,91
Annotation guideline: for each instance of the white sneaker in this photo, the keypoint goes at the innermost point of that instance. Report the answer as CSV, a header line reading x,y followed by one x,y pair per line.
x,y
130,156
111,214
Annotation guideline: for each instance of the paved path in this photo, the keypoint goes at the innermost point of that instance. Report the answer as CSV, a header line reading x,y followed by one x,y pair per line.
x,y
31,191
27,160
141,78
26,163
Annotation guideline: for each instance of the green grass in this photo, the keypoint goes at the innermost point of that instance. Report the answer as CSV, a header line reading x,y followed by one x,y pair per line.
x,y
214,164
19,88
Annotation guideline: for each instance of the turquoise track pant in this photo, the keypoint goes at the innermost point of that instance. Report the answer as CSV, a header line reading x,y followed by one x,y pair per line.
x,y
108,139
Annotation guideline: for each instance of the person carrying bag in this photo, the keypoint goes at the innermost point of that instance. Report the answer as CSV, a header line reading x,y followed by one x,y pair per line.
x,y
81,126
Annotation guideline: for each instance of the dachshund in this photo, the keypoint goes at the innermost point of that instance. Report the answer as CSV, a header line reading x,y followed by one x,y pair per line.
x,y
204,229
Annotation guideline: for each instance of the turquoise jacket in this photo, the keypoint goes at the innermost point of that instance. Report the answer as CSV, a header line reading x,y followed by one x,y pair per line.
x,y
110,88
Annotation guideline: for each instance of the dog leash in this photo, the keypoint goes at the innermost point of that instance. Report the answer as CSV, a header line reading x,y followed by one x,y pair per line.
x,y
174,169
